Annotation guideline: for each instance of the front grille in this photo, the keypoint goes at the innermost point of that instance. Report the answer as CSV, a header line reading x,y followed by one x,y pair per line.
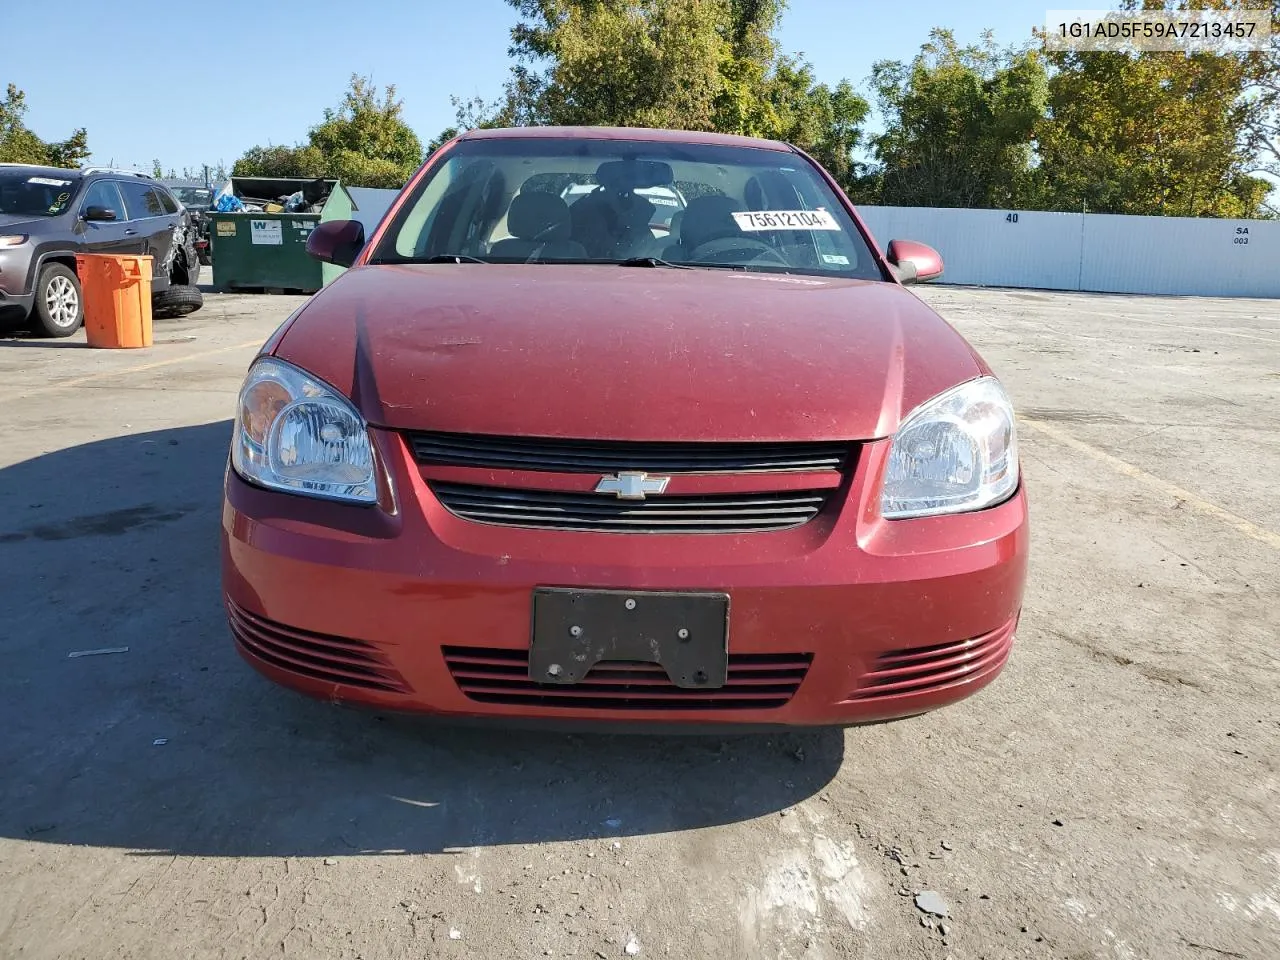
x,y
558,510
915,670
756,681
597,456
317,656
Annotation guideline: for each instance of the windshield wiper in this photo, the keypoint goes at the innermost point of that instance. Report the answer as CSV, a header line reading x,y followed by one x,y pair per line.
x,y
451,258
651,262
659,262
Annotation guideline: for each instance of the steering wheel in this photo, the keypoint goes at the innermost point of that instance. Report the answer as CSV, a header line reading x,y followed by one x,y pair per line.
x,y
736,250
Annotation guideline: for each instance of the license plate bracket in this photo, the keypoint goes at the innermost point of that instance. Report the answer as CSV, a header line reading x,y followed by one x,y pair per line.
x,y
687,634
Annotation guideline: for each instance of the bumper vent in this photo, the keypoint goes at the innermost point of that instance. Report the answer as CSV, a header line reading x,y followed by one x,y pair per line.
x,y
500,676
917,670
317,656
558,510
589,456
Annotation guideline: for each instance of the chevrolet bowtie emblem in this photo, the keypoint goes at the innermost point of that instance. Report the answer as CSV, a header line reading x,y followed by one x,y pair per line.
x,y
632,485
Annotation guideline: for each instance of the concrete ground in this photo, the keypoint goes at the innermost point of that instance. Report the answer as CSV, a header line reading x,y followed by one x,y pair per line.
x,y
1113,794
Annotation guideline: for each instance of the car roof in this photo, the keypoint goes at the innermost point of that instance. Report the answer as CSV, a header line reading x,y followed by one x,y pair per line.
x,y
626,133
61,173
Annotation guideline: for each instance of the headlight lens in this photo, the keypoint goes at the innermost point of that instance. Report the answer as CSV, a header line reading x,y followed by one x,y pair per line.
x,y
12,240
297,434
955,453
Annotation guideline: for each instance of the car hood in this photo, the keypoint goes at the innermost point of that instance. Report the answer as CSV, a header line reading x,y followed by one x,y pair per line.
x,y
9,220
603,352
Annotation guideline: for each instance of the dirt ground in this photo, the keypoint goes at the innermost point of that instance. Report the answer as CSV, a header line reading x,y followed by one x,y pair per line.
x,y
1113,794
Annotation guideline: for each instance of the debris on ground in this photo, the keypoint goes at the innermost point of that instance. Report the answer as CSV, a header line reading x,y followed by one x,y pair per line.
x,y
330,861
455,933
931,902
632,948
946,846
100,652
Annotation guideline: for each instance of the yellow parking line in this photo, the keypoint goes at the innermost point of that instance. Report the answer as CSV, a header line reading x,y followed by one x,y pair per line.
x,y
125,371
1199,504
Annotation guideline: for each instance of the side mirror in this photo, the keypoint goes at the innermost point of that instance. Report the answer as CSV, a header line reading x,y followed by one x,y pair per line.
x,y
914,262
338,242
99,214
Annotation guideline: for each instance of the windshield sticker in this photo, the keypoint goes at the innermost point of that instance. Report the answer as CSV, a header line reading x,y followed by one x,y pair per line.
x,y
46,182
786,220
835,258
663,201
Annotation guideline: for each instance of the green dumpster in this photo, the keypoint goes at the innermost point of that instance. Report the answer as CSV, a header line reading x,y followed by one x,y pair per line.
x,y
266,251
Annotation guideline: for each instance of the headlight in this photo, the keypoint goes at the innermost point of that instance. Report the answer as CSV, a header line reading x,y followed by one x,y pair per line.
x,y
297,434
954,453
12,240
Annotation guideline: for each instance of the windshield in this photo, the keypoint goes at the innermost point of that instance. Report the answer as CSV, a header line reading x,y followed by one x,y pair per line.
x,y
606,201
27,194
194,197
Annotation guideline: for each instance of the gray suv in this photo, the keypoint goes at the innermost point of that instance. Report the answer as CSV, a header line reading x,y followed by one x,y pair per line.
x,y
48,215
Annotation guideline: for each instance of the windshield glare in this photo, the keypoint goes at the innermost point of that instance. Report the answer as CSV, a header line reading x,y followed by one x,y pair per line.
x,y
29,194
605,201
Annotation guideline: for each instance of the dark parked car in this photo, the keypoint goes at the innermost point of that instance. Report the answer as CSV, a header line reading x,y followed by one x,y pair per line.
x,y
197,200
48,215
532,461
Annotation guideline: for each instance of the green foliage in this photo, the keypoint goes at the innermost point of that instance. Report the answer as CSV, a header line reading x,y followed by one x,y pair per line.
x,y
960,123
20,145
1151,133
1262,110
364,142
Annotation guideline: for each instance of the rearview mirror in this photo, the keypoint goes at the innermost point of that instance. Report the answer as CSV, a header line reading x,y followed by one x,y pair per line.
x,y
632,174
914,262
338,242
99,213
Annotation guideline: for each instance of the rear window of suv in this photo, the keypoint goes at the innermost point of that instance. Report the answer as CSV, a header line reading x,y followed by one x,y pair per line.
x,y
141,199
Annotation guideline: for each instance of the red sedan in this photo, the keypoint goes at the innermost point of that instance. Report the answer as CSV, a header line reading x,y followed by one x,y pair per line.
x,y
527,460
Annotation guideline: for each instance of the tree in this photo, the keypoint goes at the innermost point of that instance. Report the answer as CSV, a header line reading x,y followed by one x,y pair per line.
x,y
280,161
363,142
618,62
960,123
682,64
20,145
1262,110
1149,133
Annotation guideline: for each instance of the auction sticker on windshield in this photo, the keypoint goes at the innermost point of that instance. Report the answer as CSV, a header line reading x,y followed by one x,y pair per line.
x,y
47,182
786,220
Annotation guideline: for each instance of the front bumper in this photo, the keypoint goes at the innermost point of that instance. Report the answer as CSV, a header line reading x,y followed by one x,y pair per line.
x,y
846,619
14,293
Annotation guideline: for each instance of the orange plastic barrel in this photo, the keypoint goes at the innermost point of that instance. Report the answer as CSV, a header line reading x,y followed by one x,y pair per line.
x,y
117,299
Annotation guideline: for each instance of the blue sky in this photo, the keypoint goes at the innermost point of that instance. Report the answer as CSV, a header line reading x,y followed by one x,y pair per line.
x,y
188,85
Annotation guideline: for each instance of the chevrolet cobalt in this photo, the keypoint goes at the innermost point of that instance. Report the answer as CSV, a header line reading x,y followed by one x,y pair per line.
x,y
533,460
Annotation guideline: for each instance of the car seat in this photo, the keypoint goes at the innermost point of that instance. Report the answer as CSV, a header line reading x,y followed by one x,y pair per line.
x,y
704,220
612,225
540,227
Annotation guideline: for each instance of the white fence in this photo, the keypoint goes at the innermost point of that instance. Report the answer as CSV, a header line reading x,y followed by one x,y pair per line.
x,y
1090,251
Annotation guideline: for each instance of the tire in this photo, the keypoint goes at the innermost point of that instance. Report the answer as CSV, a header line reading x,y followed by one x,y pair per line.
x,y
59,306
177,300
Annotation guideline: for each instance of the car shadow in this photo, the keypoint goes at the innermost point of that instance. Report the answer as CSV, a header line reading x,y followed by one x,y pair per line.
x,y
24,339
175,746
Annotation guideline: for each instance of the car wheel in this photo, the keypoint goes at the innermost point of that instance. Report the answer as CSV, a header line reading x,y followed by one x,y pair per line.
x,y
59,308
177,300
